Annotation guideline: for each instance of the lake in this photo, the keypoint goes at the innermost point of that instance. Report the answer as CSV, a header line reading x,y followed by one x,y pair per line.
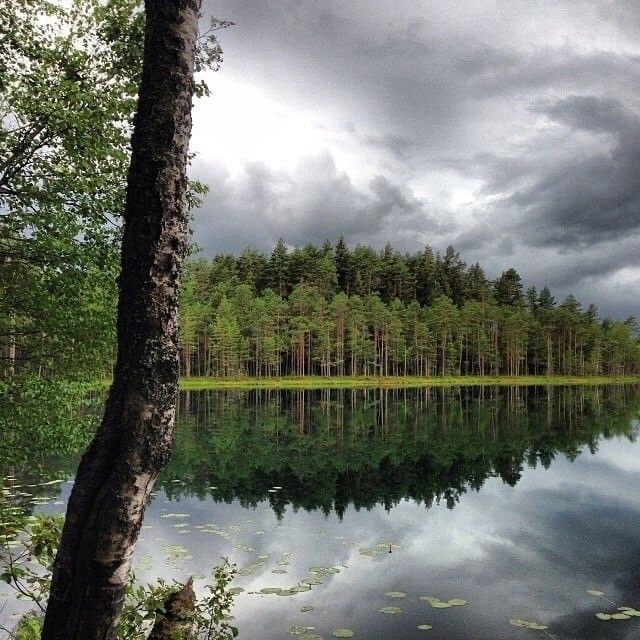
x,y
462,509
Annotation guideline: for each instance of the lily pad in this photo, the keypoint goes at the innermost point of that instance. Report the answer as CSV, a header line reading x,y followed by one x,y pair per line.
x,y
390,610
457,602
236,590
296,630
525,624
343,633
603,616
271,590
395,594
593,592
310,636
301,588
440,605
306,608
620,616
425,627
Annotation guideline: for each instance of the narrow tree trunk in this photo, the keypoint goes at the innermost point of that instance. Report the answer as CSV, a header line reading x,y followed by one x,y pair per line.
x,y
133,442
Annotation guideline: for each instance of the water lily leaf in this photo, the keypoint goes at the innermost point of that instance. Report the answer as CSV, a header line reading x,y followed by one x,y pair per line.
x,y
306,608
343,633
310,636
430,598
395,594
390,610
537,627
603,616
593,592
301,588
516,622
236,590
630,611
279,571
271,590
620,616
425,627
457,602
297,630
440,605
525,624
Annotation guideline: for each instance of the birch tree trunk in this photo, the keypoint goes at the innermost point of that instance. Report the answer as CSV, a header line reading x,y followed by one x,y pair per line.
x,y
134,440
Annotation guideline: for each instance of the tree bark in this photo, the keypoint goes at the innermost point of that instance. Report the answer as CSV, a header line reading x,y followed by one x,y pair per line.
x,y
134,440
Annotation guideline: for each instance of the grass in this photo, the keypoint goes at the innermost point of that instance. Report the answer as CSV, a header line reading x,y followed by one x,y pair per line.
x,y
348,382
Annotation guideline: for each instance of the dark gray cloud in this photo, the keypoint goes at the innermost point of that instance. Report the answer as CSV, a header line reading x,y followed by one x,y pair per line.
x,y
313,203
512,131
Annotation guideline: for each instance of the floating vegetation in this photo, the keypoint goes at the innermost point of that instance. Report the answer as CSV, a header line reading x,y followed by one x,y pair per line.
x,y
279,571
175,515
525,624
298,630
145,563
255,566
395,594
243,547
343,633
306,608
236,590
458,602
310,636
436,603
175,552
301,588
424,627
622,613
390,610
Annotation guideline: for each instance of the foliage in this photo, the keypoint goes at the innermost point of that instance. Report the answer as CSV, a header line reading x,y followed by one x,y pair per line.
x,y
62,172
69,74
209,621
337,312
27,571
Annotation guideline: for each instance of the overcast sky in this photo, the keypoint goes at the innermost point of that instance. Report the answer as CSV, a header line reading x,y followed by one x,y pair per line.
x,y
508,128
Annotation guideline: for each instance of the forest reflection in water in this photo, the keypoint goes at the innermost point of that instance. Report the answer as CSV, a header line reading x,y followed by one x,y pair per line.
x,y
330,448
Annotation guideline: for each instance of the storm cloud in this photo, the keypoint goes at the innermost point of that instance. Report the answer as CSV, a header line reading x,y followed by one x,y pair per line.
x,y
510,129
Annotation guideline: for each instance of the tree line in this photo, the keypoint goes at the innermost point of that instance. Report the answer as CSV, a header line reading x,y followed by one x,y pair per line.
x,y
337,311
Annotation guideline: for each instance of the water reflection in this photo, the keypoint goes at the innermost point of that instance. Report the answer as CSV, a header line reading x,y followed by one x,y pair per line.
x,y
329,449
518,500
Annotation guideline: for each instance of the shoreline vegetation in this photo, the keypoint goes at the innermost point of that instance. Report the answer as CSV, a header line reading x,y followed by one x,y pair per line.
x,y
202,383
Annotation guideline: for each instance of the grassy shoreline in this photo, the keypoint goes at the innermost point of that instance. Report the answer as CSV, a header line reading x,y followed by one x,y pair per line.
x,y
347,382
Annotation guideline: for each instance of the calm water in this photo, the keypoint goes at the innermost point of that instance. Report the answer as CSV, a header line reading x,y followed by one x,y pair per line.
x,y
515,500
